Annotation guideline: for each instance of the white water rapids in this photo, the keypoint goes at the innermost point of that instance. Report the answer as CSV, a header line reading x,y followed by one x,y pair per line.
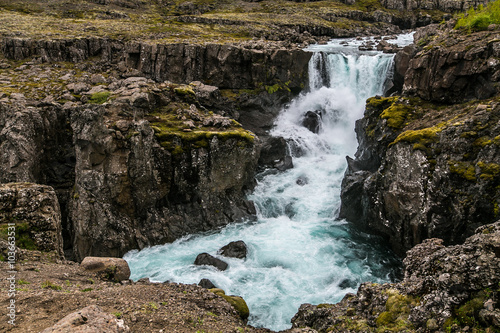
x,y
298,251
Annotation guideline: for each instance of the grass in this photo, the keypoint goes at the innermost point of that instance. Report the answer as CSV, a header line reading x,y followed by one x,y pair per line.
x,y
480,19
49,285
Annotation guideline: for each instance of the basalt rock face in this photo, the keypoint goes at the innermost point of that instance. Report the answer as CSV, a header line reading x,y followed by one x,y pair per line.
x,y
247,72
425,170
34,211
146,167
451,67
444,289
449,6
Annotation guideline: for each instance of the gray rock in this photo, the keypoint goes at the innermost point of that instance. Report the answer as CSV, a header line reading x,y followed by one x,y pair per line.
x,y
35,211
113,269
89,320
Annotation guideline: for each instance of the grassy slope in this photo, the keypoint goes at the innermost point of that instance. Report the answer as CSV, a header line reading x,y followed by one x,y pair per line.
x,y
160,20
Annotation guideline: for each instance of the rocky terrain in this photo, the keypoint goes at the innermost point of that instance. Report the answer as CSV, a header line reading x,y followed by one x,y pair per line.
x,y
427,161
129,123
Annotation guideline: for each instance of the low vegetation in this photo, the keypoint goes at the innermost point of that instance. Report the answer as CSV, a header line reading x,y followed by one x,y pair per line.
x,y
479,19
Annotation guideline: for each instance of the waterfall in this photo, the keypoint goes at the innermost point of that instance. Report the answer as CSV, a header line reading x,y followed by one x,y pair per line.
x,y
298,251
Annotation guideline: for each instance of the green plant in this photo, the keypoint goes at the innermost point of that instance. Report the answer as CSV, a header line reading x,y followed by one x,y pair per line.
x,y
86,289
480,19
99,98
21,281
49,285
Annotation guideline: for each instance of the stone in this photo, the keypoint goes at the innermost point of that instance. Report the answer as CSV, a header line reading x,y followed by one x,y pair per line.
x,y
113,269
209,260
90,319
34,209
236,249
207,284
237,302
312,121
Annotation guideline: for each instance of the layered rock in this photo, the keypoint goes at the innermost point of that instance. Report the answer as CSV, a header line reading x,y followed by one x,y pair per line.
x,y
424,170
33,212
444,288
451,67
139,163
449,6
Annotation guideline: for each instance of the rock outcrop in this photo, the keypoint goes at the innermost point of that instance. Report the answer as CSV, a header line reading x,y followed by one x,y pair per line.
x,y
134,163
422,169
449,6
33,211
444,289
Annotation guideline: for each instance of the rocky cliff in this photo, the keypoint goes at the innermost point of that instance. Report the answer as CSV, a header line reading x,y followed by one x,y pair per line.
x,y
134,162
452,289
425,169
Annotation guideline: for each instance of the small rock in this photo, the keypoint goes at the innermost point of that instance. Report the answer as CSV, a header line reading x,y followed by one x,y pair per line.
x,y
207,259
489,305
97,79
432,324
207,284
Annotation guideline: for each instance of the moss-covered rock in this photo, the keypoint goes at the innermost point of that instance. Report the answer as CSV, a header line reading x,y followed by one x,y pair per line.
x,y
237,302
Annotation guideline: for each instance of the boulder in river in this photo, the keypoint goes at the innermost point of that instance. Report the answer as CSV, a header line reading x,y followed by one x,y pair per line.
x,y
236,249
207,259
312,121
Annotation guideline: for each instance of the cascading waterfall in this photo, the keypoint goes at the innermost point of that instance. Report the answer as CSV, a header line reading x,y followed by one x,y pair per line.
x,y
298,252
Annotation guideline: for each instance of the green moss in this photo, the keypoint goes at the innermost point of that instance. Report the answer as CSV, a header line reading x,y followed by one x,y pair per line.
x,y
99,98
463,169
23,234
396,115
324,305
395,318
423,137
184,90
380,102
482,141
488,170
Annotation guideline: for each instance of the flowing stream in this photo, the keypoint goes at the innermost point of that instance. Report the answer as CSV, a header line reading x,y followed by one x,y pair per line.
x,y
298,251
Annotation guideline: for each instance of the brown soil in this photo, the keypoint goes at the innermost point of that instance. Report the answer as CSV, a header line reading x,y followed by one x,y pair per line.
x,y
49,289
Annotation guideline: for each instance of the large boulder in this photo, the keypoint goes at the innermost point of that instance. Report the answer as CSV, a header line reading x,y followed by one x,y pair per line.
x,y
90,319
237,302
113,269
209,260
236,249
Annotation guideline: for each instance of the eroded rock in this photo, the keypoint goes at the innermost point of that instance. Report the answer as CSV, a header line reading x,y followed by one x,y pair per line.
x,y
113,269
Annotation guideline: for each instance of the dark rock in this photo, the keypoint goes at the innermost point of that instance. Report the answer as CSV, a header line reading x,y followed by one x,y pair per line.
x,y
274,153
302,180
209,260
312,121
206,283
236,249
440,284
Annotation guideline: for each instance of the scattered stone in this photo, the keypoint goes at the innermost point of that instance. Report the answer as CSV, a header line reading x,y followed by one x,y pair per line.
x,y
112,269
209,260
207,284
90,319
236,249
302,180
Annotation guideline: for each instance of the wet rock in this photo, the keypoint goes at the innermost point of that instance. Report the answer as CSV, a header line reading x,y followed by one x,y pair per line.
x,y
237,302
273,152
285,164
207,284
346,283
236,249
302,180
423,300
312,121
113,269
88,320
209,260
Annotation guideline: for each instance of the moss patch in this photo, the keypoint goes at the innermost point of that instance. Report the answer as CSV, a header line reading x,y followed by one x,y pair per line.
x,y
24,238
396,115
463,169
395,318
99,98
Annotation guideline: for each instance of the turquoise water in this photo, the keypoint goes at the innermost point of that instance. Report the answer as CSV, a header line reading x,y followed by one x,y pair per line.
x,y
298,251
